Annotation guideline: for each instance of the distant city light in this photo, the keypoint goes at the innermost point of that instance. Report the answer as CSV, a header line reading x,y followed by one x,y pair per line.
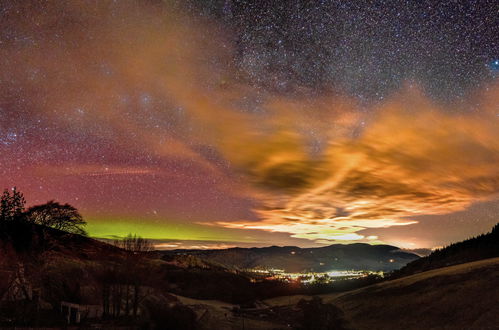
x,y
311,277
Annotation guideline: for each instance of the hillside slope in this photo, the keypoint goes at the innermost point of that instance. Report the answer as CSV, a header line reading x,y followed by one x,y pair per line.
x,y
66,267
464,296
32,239
477,248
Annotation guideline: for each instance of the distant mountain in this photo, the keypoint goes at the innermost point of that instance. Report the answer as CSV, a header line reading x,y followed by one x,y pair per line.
x,y
481,247
294,259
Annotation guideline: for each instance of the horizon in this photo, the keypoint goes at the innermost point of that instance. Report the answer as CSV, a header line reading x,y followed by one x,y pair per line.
x,y
179,245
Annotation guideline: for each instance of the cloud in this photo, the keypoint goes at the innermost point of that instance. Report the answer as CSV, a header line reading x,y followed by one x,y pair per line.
x,y
414,158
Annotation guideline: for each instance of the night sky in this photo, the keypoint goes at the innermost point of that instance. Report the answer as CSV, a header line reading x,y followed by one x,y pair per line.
x,y
255,123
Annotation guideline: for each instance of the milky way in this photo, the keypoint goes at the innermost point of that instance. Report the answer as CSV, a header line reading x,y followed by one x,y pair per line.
x,y
229,123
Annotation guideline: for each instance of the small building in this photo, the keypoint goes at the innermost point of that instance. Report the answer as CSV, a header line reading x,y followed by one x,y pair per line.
x,y
75,313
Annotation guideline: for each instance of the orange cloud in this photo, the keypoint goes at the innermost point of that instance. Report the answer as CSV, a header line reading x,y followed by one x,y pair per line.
x,y
414,158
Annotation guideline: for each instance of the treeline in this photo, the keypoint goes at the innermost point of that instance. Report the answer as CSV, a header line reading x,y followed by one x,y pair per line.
x,y
477,248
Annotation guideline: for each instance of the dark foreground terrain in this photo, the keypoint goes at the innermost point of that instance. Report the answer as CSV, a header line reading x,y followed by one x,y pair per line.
x,y
457,297
464,296
43,269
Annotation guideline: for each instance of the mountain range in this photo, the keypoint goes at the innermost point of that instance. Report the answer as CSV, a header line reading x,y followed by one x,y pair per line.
x,y
292,259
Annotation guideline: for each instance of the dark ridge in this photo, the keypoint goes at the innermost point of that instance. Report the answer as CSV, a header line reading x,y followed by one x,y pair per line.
x,y
360,256
477,248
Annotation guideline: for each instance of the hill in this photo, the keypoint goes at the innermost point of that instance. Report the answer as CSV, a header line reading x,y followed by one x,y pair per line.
x,y
294,259
477,248
40,248
463,296
32,239
42,267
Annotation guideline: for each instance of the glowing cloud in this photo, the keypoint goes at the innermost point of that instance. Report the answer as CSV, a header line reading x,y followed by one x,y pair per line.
x,y
412,159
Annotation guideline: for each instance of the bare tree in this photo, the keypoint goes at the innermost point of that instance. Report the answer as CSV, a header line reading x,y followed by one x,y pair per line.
x,y
134,243
59,216
137,247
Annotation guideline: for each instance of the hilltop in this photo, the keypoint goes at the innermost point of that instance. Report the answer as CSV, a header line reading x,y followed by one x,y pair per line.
x,y
33,238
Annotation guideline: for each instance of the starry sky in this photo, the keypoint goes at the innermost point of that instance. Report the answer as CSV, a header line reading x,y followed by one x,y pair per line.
x,y
212,124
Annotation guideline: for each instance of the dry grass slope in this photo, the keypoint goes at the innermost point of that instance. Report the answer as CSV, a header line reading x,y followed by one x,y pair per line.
x,y
464,296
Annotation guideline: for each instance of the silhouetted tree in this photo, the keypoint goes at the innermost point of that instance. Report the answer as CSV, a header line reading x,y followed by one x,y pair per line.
x,y
11,205
59,216
133,275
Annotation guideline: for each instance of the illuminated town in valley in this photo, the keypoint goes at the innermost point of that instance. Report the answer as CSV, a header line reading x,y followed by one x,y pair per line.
x,y
310,277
